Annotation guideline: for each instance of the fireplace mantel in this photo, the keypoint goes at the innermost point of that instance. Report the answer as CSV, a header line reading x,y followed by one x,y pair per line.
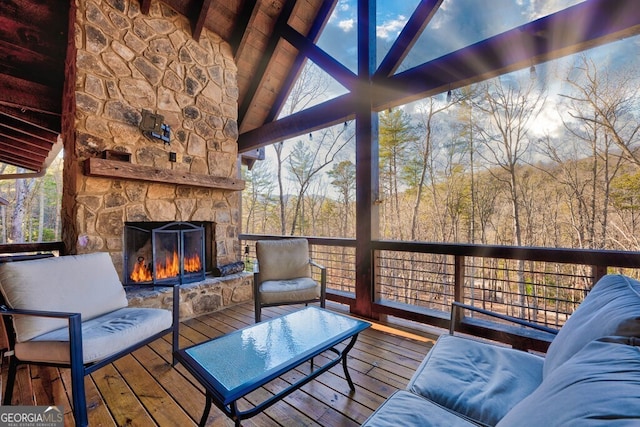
x,y
124,170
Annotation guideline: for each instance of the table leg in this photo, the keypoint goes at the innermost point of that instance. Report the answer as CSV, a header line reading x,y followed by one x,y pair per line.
x,y
207,409
344,361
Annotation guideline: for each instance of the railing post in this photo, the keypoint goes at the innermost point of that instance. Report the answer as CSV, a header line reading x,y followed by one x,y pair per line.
x,y
458,274
597,272
458,292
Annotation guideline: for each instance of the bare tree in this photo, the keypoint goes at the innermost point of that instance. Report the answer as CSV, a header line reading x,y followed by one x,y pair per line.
x,y
308,160
310,86
510,108
609,100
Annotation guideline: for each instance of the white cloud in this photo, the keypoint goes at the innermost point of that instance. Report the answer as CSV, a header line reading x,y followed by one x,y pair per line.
x,y
391,28
346,25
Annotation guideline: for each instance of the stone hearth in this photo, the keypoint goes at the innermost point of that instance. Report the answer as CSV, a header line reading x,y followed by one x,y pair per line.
x,y
212,294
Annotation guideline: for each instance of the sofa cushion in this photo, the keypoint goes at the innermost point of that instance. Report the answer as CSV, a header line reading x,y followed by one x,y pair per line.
x,y
599,385
283,259
612,307
407,409
87,284
480,380
102,336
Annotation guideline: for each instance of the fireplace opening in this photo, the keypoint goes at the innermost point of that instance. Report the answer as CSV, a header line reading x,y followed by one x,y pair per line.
x,y
156,253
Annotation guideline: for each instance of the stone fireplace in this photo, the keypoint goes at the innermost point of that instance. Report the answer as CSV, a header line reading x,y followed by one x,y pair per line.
x,y
120,63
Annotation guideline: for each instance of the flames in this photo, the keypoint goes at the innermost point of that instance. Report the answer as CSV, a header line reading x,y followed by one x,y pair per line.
x,y
167,268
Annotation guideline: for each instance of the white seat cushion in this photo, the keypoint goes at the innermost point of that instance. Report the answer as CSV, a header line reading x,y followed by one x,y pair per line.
x,y
101,336
480,380
87,284
293,290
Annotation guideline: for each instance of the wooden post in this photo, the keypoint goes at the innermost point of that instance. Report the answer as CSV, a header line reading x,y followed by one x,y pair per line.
x,y
366,161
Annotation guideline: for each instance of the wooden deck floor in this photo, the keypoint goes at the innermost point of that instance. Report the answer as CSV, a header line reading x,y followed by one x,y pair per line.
x,y
143,389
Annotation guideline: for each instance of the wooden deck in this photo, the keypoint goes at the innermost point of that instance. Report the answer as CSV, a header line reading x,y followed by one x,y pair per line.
x,y
142,389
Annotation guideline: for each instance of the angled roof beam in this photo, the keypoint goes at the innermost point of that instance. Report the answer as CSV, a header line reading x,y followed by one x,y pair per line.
x,y
335,69
201,17
577,28
264,61
241,25
318,117
145,6
314,33
408,37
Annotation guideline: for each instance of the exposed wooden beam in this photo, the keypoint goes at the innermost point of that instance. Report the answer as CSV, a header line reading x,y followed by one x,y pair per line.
x,y
318,117
326,62
21,147
408,36
577,28
24,138
200,20
241,24
258,75
20,161
314,33
50,122
23,94
145,6
28,130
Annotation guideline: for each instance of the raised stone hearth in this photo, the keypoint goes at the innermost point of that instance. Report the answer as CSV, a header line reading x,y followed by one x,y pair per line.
x,y
198,298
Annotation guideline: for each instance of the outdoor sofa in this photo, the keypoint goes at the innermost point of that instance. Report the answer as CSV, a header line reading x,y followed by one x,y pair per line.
x,y
590,375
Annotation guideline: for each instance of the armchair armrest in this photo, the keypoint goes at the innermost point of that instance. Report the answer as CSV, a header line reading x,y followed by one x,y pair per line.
x,y
75,330
458,307
323,279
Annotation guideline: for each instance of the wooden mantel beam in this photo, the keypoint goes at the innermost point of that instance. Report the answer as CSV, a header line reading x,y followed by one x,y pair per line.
x,y
124,170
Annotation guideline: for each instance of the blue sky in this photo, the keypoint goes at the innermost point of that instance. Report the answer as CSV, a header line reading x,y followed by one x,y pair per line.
x,y
457,24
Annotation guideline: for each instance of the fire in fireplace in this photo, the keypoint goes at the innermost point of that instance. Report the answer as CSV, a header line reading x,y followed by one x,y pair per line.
x,y
163,252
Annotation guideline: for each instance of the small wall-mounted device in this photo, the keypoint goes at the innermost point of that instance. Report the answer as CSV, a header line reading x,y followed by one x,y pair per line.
x,y
152,127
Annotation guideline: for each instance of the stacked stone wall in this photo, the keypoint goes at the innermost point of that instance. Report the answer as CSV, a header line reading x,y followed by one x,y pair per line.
x,y
127,62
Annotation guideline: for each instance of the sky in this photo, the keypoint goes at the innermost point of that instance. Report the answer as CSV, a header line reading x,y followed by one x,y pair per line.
x,y
457,24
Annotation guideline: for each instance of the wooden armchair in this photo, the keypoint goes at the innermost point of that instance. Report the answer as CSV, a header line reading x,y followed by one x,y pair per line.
x,y
283,275
71,311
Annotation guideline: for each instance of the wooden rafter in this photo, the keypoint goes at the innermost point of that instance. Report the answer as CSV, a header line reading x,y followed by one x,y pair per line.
x,y
259,72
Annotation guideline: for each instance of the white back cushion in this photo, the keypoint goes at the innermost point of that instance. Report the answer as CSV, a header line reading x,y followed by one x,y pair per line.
x,y
87,284
598,386
283,259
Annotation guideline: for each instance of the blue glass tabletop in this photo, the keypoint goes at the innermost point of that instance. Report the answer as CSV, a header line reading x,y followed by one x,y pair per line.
x,y
241,361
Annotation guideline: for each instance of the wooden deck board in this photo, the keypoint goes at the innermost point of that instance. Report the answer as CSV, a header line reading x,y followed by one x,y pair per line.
x,y
144,389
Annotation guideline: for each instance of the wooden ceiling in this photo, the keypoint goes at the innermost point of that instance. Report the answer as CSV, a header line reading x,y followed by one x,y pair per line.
x,y
271,39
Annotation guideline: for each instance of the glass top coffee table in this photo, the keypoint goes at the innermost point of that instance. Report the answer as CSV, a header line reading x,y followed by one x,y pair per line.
x,y
233,365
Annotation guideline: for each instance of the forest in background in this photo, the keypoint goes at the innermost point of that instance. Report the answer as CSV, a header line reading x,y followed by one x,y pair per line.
x,y
33,210
545,160
545,157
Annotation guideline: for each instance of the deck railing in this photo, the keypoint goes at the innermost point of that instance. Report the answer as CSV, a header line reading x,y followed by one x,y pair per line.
x,y
419,281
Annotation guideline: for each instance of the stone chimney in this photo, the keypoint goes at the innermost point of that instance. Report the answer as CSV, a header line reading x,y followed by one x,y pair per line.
x,y
120,63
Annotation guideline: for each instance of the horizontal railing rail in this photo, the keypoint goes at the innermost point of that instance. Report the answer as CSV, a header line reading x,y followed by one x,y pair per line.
x,y
419,281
